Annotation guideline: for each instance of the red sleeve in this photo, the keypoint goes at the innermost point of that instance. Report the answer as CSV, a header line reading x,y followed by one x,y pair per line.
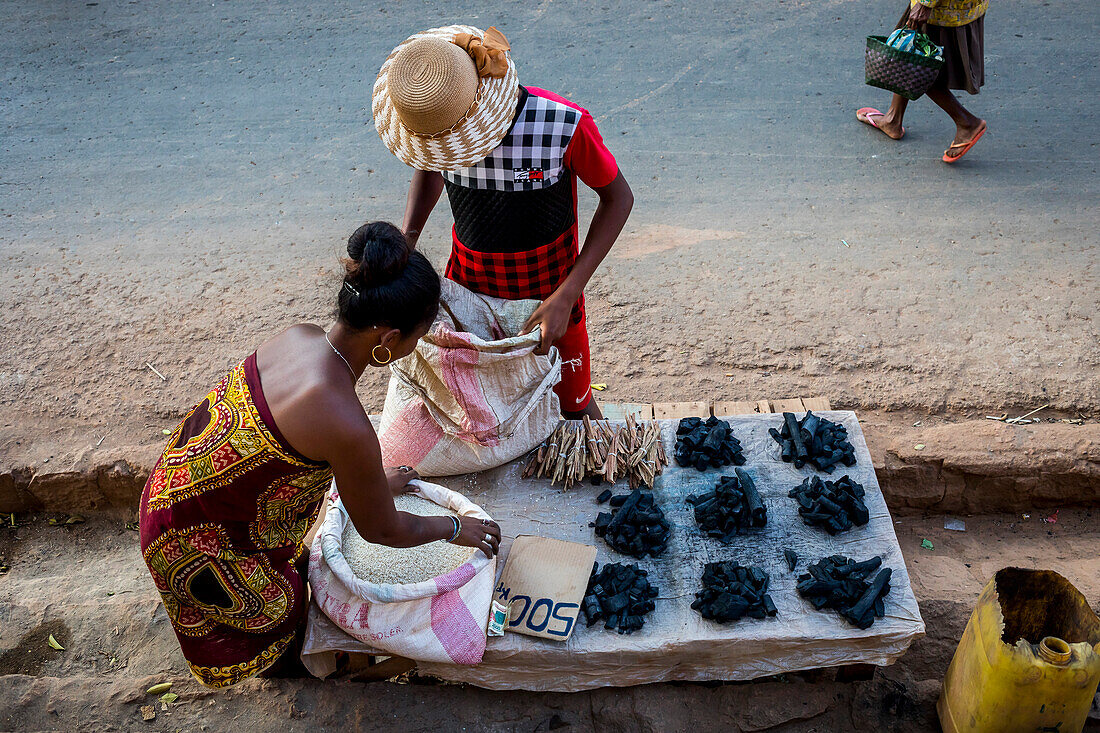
x,y
586,155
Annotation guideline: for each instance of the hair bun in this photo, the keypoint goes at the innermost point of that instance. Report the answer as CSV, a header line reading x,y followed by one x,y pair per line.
x,y
379,254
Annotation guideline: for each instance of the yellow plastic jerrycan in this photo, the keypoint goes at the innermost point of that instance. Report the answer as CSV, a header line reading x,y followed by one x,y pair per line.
x,y
1029,659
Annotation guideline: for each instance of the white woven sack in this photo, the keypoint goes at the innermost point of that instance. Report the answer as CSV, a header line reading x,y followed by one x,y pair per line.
x,y
439,620
473,395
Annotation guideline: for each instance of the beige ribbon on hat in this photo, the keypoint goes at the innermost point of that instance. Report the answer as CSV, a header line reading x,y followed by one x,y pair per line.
x,y
487,52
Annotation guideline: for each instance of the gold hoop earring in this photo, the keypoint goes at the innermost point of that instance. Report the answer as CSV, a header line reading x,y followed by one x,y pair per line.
x,y
374,355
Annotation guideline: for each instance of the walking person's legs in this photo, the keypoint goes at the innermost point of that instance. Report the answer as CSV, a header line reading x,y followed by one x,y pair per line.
x,y
890,120
968,127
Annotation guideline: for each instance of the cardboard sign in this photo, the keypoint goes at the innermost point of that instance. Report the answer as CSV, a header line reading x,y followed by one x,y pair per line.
x,y
544,582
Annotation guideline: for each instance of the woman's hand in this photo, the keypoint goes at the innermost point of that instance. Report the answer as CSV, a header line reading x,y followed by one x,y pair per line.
x,y
553,315
484,534
399,478
919,15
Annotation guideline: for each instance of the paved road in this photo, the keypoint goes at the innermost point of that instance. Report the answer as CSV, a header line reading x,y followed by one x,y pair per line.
x,y
176,180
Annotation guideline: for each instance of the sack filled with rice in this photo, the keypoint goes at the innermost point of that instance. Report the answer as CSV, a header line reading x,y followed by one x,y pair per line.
x,y
428,603
383,564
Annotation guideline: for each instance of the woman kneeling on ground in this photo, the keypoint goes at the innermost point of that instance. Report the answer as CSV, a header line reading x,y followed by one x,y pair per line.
x,y
244,475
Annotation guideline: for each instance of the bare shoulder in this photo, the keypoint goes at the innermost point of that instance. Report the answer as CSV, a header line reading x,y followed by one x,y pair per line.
x,y
309,393
322,418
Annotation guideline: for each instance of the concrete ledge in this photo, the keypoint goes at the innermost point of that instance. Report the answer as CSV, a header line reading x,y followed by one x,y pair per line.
x,y
983,466
970,467
112,481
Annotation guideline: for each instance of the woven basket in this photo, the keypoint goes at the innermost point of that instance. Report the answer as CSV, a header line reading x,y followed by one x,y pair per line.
x,y
901,72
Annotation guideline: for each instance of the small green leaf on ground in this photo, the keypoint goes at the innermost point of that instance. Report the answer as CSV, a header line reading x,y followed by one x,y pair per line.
x,y
159,688
919,446
927,544
169,697
54,644
67,521
166,431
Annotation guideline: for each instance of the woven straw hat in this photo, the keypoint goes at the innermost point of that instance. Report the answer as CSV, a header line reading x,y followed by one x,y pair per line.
x,y
431,107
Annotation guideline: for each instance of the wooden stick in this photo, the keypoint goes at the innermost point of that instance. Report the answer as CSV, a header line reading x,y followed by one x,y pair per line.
x,y
1021,417
611,464
549,452
559,458
594,461
532,465
581,461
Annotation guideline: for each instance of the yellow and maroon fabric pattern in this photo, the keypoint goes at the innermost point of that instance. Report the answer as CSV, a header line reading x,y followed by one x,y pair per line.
x,y
222,519
954,13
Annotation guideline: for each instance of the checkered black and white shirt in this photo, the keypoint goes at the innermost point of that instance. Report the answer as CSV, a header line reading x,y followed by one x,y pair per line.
x,y
522,196
532,154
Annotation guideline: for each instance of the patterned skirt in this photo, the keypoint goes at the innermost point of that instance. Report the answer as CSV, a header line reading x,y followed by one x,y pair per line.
x,y
222,519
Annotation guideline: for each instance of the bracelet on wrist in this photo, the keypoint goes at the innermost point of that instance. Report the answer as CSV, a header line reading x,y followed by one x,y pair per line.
x,y
457,531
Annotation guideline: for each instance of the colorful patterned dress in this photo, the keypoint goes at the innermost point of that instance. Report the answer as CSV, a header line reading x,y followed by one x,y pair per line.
x,y
222,517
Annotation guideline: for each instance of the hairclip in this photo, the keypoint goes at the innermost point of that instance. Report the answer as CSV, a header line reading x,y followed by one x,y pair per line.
x,y
350,289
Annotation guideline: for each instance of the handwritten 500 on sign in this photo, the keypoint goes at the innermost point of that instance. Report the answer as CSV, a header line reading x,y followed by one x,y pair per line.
x,y
542,615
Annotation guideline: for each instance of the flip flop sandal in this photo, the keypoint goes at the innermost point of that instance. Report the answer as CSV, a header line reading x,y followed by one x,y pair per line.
x,y
867,112
965,146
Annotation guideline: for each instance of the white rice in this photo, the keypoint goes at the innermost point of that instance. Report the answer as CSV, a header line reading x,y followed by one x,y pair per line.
x,y
381,564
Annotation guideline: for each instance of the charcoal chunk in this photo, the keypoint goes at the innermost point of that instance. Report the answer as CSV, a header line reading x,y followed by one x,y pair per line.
x,y
619,595
706,444
792,559
731,591
813,441
842,584
731,506
602,520
835,506
637,525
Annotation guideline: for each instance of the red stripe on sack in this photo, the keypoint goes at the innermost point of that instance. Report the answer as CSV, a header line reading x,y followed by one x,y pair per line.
x,y
461,379
411,437
454,626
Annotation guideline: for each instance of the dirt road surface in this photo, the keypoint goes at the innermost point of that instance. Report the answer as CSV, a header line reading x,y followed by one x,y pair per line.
x,y
177,181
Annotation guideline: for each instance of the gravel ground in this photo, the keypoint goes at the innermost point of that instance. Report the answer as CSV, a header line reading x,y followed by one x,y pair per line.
x,y
177,180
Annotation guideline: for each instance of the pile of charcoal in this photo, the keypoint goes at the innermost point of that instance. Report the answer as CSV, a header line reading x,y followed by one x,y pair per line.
x,y
732,505
708,443
813,440
842,584
620,596
835,506
731,591
637,527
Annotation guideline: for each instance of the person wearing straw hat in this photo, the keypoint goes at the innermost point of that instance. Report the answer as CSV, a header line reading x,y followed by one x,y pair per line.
x,y
448,103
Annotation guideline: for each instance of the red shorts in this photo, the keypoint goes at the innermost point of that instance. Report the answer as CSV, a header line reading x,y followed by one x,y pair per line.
x,y
575,389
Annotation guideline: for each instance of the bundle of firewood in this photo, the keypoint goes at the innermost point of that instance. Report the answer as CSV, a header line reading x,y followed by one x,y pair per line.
x,y
600,451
